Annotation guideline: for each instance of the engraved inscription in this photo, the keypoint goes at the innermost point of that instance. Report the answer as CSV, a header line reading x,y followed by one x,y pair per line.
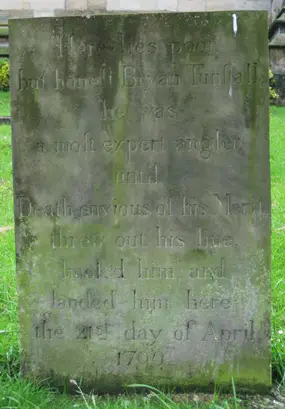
x,y
206,146
213,241
99,331
99,271
60,240
88,302
207,303
223,335
56,80
154,272
142,334
133,78
131,241
123,210
83,332
140,176
195,75
110,113
72,46
233,207
198,75
166,241
44,330
206,272
149,47
139,357
87,145
28,208
191,47
132,146
188,207
158,111
192,209
149,304
185,334
62,208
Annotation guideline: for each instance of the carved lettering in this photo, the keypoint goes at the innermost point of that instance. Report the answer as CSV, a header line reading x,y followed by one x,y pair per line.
x,y
228,75
164,209
88,302
184,335
87,145
83,332
206,146
98,271
154,272
133,78
149,304
100,331
233,207
139,357
141,166
134,146
138,48
30,83
142,334
197,75
131,241
207,303
139,176
214,241
190,47
209,272
28,208
192,209
60,240
168,241
158,112
111,113
104,78
44,331
102,210
72,46
222,335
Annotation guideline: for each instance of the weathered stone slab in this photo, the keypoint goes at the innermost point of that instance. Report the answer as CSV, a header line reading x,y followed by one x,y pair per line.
x,y
142,198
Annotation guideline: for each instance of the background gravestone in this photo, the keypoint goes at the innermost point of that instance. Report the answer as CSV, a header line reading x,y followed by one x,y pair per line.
x,y
142,201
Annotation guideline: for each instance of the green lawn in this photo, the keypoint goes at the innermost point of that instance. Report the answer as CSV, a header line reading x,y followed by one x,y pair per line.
x,y
277,161
16,393
4,103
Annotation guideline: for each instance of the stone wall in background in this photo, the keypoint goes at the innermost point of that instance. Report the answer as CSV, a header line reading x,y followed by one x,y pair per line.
x,y
37,8
276,8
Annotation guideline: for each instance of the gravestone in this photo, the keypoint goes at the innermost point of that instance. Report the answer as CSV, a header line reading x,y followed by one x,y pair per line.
x,y
142,201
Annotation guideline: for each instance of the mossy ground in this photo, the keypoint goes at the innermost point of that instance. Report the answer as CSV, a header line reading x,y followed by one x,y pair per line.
x,y
20,394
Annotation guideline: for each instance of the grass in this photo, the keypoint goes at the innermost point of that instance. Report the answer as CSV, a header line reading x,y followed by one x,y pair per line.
x,y
4,103
22,394
277,161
